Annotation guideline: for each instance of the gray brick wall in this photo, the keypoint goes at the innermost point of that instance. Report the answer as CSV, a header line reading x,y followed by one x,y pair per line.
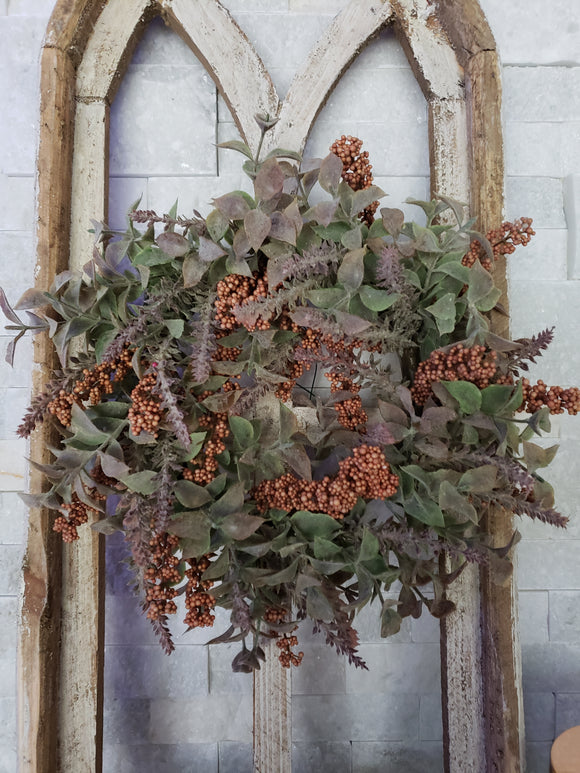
x,y
189,712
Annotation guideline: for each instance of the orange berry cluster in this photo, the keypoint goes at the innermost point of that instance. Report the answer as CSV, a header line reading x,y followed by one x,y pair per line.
x,y
145,411
365,474
198,601
92,386
205,465
236,290
161,575
475,364
351,413
356,170
78,513
558,399
286,656
504,241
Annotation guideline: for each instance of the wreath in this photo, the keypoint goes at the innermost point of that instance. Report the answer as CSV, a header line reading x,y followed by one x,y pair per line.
x,y
192,413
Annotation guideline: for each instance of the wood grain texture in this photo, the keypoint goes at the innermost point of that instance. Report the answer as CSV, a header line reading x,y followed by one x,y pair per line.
x,y
272,715
39,644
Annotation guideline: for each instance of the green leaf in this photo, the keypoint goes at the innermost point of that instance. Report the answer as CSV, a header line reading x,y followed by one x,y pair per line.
x,y
536,456
495,398
467,395
242,430
324,549
450,500
277,578
479,480
240,526
318,607
333,232
352,239
189,494
84,430
175,327
369,547
351,270
444,312
425,510
141,482
195,532
238,145
377,300
390,622
151,256
288,423
365,197
231,502
480,283
313,525
217,224
326,298
197,441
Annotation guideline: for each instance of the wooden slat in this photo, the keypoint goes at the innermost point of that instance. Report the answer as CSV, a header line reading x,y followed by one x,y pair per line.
x,y
272,715
39,645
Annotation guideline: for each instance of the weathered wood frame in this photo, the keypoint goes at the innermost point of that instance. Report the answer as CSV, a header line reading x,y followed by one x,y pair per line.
x,y
87,47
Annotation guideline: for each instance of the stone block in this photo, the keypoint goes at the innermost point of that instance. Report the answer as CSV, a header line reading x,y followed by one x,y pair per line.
x,y
538,757
425,629
322,672
30,8
19,78
8,758
19,375
9,614
548,564
8,724
370,717
14,402
280,46
17,197
395,149
332,757
567,711
564,620
418,757
235,757
192,192
215,718
124,621
396,668
571,148
13,519
556,40
147,672
430,717
539,715
533,149
368,625
8,673
540,198
160,45
533,616
384,50
553,667
541,93
10,569
160,758
544,259
572,208
126,721
222,680
535,306
17,250
123,193
163,122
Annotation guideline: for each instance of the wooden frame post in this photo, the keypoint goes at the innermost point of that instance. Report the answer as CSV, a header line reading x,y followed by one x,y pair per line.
x,y
87,48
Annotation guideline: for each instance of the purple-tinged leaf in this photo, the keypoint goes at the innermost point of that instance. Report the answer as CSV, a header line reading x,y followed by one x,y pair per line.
x,y
209,251
322,213
297,458
393,220
233,205
10,349
351,270
173,244
113,467
269,180
240,526
32,299
241,243
283,228
193,270
9,312
351,324
257,226
330,173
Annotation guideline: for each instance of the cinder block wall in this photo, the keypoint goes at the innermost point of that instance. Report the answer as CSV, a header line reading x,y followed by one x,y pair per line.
x,y
189,712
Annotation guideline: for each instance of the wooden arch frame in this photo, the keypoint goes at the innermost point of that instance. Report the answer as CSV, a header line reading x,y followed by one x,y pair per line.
x,y
87,47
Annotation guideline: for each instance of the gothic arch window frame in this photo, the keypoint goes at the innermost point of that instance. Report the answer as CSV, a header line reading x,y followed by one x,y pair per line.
x,y
87,48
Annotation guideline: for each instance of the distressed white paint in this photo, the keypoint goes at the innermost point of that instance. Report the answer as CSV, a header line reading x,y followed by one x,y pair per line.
x,y
272,715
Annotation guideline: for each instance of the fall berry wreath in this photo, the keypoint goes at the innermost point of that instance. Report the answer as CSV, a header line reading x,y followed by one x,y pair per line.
x,y
192,416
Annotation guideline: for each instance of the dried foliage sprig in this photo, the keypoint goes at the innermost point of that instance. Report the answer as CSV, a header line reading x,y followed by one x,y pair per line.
x,y
236,479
